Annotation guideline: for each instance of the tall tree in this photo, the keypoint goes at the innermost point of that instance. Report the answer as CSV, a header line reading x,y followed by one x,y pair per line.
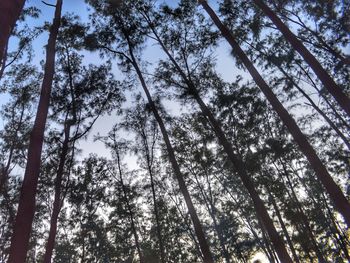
x,y
26,208
234,156
342,99
334,191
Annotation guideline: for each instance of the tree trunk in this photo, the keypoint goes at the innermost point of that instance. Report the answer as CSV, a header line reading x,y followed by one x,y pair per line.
x,y
335,193
156,213
308,98
313,104
284,228
132,221
212,212
263,245
326,100
10,11
239,165
182,185
26,207
303,217
322,74
57,204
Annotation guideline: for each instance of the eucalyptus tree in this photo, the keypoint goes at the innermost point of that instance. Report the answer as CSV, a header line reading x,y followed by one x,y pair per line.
x,y
10,10
196,149
131,34
334,191
281,65
118,148
26,208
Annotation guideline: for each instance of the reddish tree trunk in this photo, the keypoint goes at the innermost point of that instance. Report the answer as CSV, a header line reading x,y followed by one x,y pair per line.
x,y
26,207
335,193
10,11
322,74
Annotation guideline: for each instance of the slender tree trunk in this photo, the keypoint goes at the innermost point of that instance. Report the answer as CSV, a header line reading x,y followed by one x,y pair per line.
x,y
308,98
313,104
189,229
156,213
335,193
207,256
284,228
303,218
57,204
326,100
132,221
239,165
26,207
267,241
4,171
322,74
182,185
263,245
339,237
212,212
10,11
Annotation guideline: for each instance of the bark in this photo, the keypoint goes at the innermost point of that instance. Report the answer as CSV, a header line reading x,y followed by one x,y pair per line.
x,y
10,11
57,205
132,221
322,74
334,191
207,256
26,208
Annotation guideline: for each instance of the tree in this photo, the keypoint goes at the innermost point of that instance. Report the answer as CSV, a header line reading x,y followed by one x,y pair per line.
x,y
342,99
130,43
189,82
26,208
335,193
